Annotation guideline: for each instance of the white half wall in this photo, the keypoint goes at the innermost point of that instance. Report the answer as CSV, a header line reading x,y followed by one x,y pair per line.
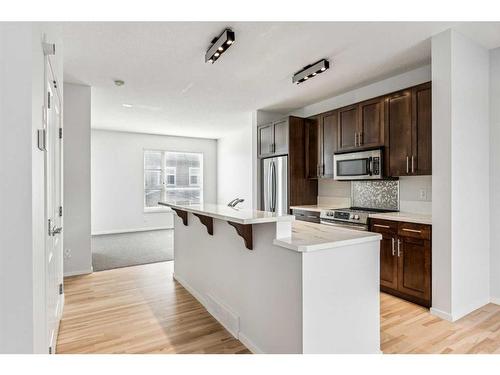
x,y
460,181
495,175
234,167
118,181
76,203
22,188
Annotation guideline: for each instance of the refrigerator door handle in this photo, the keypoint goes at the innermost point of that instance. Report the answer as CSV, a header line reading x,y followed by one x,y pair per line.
x,y
273,187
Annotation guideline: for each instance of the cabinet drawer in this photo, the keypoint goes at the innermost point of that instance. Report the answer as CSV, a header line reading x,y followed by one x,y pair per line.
x,y
310,216
413,230
383,226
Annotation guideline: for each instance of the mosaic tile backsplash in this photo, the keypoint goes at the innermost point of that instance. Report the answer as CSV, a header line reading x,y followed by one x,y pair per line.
x,y
381,194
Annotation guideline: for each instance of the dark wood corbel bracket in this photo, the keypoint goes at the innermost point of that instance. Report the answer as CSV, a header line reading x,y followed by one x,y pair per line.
x,y
245,231
206,221
182,214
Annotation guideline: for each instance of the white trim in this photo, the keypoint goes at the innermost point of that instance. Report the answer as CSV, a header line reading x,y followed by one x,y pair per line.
x,y
79,272
470,308
441,314
118,231
249,344
495,300
156,210
203,301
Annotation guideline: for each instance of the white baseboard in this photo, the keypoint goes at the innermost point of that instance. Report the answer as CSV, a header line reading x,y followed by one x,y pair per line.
x,y
249,344
79,272
441,314
118,231
228,325
495,300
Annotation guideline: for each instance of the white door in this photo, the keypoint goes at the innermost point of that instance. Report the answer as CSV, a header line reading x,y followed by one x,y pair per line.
x,y
53,203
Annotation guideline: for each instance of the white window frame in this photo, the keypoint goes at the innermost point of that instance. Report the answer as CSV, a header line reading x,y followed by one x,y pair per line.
x,y
169,174
166,187
194,174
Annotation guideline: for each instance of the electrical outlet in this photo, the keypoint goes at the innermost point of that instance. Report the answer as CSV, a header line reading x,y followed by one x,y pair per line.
x,y
67,253
423,194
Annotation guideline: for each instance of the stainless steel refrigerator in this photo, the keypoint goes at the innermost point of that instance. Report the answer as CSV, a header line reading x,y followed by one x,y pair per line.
x,y
274,185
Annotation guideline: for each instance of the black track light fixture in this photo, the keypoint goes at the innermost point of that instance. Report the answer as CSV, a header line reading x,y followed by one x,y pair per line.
x,y
310,71
219,45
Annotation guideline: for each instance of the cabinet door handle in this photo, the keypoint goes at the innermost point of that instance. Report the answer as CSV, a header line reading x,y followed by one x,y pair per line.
x,y
407,165
412,230
393,246
355,139
412,169
381,226
323,169
399,245
360,138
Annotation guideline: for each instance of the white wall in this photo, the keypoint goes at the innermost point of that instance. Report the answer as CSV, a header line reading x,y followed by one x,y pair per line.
x,y
495,175
460,182
234,167
118,182
22,217
76,216
386,86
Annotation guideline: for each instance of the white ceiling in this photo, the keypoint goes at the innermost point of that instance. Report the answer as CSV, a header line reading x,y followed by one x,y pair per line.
x,y
173,91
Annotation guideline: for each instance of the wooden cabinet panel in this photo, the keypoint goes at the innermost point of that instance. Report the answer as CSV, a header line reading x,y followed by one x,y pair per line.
x,y
422,129
281,137
329,142
413,230
265,139
371,123
347,127
414,271
313,147
388,262
405,264
398,114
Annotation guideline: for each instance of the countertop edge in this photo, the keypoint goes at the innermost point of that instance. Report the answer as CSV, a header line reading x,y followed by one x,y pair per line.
x,y
327,245
406,219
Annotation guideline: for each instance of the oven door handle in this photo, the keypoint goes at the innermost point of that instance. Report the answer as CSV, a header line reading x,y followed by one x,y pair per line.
x,y
370,166
344,226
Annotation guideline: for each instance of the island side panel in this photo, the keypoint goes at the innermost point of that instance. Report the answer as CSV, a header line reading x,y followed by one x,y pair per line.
x,y
256,294
341,303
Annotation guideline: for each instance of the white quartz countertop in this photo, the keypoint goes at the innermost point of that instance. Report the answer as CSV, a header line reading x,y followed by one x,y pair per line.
x,y
404,216
312,237
235,215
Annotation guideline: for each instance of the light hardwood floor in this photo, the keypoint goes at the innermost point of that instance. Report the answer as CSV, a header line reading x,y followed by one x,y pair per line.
x,y
143,310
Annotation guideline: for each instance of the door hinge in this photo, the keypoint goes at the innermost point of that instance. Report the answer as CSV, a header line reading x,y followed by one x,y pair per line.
x,y
50,349
48,100
49,49
55,84
60,133
60,211
61,289
42,139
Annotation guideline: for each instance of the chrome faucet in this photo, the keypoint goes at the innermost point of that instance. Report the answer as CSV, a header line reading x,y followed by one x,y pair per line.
x,y
234,202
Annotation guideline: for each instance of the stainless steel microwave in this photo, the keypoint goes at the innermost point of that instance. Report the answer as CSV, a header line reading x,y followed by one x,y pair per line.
x,y
358,165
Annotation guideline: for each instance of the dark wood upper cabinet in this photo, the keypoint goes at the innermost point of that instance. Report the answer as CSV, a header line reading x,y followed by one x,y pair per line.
x,y
321,143
422,129
371,123
348,128
272,139
313,147
398,117
409,124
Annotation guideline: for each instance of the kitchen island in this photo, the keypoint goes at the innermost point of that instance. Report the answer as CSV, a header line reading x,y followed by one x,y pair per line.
x,y
278,285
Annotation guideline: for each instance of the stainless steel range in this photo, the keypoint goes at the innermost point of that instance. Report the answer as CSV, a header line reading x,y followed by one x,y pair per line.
x,y
350,218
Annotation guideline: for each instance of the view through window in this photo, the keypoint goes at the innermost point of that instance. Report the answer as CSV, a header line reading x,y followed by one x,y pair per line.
x,y
175,177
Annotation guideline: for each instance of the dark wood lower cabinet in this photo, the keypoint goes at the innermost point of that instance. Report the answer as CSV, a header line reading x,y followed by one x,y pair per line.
x,y
405,260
